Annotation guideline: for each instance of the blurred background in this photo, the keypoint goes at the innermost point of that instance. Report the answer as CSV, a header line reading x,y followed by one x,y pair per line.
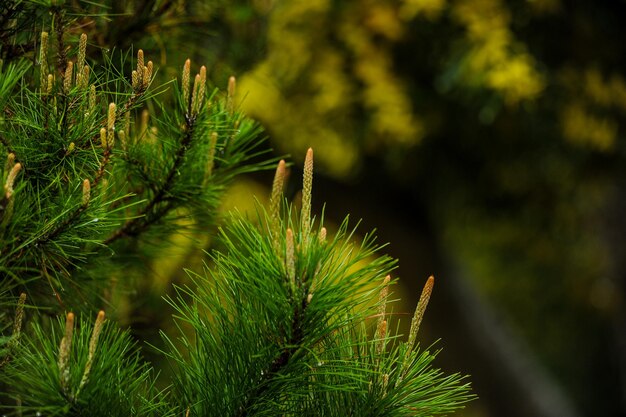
x,y
484,139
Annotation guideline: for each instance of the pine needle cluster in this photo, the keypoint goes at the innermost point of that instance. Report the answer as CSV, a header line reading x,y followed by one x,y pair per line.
x,y
97,161
82,368
100,163
285,321
292,316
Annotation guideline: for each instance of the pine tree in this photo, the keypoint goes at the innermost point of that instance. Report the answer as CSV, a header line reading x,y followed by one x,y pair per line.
x,y
101,163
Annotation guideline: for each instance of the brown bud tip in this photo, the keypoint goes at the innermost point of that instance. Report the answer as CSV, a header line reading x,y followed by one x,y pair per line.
x,y
231,86
387,279
279,179
8,186
308,168
103,137
309,298
430,282
426,292
322,235
86,192
70,318
100,315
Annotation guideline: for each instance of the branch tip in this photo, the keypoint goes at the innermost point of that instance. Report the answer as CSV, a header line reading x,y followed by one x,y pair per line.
x,y
322,235
185,82
307,190
420,310
86,192
64,352
67,79
93,343
10,182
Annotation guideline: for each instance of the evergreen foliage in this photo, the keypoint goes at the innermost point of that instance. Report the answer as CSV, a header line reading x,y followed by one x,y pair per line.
x,y
82,176
86,370
102,163
295,325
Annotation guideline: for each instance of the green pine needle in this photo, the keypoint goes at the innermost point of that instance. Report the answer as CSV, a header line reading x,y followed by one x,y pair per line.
x,y
119,382
259,348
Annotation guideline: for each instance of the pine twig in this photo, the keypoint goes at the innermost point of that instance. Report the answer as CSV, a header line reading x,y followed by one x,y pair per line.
x,y
147,216
17,327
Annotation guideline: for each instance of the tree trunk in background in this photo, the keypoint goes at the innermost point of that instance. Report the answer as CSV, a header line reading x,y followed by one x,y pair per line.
x,y
613,288
504,373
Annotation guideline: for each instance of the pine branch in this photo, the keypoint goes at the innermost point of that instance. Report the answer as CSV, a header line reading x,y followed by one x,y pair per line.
x,y
290,334
53,132
81,367
61,227
289,349
282,322
148,215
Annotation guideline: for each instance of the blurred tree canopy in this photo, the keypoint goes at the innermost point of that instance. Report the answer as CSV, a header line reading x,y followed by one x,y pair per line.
x,y
495,126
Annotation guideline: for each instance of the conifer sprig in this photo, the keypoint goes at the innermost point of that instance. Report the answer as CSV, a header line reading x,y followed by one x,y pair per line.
x,y
100,161
82,178
200,149
78,367
12,342
291,332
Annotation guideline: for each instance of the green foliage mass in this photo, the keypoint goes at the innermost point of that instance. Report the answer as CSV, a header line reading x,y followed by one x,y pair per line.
x,y
118,382
95,174
299,342
272,333
103,166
